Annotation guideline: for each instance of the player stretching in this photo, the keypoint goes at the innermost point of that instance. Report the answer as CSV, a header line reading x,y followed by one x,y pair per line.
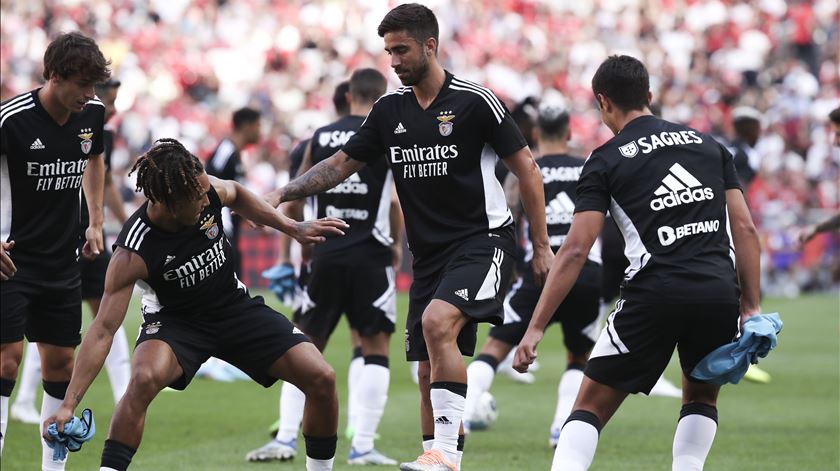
x,y
52,144
351,275
459,228
579,312
674,193
194,307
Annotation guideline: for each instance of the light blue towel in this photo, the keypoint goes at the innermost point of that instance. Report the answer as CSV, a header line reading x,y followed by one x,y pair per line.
x,y
282,280
76,432
729,363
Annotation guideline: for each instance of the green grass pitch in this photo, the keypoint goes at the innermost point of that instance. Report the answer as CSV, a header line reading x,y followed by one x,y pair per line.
x,y
789,424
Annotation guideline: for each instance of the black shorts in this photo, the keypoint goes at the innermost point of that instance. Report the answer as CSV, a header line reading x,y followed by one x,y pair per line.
x,y
578,314
93,275
47,312
366,294
638,340
472,276
249,335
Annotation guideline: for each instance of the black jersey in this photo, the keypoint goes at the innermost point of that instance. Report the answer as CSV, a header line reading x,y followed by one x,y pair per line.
x,y
560,174
363,201
665,186
296,157
226,163
41,168
447,186
190,271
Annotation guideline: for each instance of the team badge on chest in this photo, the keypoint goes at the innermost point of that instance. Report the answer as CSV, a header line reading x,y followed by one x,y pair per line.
x,y
210,228
445,126
87,143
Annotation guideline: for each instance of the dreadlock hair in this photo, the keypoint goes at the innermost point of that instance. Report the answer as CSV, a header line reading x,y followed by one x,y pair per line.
x,y
168,172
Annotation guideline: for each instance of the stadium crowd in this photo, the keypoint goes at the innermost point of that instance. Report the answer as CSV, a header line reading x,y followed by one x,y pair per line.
x,y
186,65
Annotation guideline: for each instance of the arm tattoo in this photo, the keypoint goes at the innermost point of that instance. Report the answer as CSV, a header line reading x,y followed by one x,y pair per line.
x,y
323,176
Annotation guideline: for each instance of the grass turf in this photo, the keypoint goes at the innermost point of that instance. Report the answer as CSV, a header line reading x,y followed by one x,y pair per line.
x,y
791,423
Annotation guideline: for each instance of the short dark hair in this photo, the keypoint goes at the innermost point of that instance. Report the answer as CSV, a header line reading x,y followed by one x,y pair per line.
x,y
168,172
624,80
342,106
244,116
553,121
834,116
75,54
107,85
367,85
418,21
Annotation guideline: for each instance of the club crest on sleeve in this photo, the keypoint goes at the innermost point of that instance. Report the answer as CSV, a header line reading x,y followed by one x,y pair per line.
x,y
629,150
86,135
445,126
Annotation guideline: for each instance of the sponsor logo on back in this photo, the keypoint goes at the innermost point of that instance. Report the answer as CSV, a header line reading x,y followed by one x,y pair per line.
x,y
679,187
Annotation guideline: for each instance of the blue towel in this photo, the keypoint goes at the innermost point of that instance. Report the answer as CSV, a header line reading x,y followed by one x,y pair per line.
x,y
76,432
282,278
729,363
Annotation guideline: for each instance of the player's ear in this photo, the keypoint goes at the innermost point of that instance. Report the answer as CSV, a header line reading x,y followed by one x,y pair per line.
x,y
430,47
650,98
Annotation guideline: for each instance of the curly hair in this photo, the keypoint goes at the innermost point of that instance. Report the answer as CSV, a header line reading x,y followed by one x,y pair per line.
x,y
168,172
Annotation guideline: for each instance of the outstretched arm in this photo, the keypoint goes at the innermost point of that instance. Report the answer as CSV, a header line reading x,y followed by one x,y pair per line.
x,y
321,177
254,208
124,270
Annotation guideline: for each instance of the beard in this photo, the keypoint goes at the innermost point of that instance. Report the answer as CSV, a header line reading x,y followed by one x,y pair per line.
x,y
414,77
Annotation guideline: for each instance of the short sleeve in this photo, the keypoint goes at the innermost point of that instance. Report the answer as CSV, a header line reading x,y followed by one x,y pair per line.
x,y
366,145
593,192
730,174
503,134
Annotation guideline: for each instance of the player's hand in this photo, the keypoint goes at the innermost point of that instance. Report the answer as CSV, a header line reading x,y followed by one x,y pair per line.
x,y
7,266
541,263
93,243
315,232
807,233
526,353
748,310
63,415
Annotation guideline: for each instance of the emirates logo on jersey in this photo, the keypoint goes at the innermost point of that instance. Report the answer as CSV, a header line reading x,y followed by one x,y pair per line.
x,y
445,126
86,135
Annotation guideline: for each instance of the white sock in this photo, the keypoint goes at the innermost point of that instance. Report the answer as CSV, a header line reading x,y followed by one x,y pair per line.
x,y
372,396
354,372
49,405
4,420
105,468
448,411
567,391
118,365
30,377
319,465
576,447
692,442
480,376
292,401
427,444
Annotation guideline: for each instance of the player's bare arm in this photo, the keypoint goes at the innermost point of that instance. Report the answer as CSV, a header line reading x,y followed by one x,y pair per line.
x,y
124,270
294,208
250,206
564,271
7,266
522,164
113,200
831,224
747,252
321,177
395,218
93,183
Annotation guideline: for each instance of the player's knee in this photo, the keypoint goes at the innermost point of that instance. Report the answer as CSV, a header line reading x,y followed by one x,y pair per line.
x,y
9,366
700,393
436,326
144,384
321,383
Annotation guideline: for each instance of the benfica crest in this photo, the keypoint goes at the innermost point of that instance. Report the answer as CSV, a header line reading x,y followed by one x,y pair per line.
x,y
445,126
87,143
210,228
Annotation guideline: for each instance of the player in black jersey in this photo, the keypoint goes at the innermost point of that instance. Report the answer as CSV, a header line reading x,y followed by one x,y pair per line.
x,y
579,312
226,163
675,194
194,306
51,144
460,231
93,285
352,275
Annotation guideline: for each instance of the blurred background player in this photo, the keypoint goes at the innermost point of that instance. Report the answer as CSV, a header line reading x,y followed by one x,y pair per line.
x,y
579,312
93,283
351,275
52,143
194,306
690,282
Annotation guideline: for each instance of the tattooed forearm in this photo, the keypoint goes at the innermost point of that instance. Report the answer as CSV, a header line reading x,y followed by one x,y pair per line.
x,y
323,176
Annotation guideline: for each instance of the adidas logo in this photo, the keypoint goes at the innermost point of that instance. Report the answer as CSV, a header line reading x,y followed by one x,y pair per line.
x,y
399,129
679,187
37,144
169,258
463,294
443,420
560,210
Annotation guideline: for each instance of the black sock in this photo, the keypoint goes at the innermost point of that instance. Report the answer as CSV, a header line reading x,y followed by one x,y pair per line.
x,y
56,389
489,359
320,448
6,387
116,455
461,440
